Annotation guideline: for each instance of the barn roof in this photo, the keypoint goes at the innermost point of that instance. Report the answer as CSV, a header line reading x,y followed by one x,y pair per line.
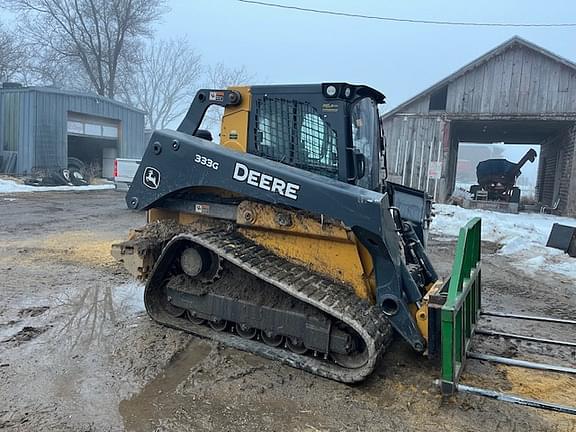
x,y
510,43
67,92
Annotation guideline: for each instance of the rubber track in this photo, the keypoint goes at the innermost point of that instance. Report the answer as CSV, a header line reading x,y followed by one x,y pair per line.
x,y
333,298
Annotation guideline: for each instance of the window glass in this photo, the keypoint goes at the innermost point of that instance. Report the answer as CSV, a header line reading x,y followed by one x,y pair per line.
x,y
294,133
75,127
92,129
365,135
318,143
110,131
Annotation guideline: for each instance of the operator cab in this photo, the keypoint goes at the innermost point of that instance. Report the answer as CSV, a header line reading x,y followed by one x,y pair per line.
x,y
331,129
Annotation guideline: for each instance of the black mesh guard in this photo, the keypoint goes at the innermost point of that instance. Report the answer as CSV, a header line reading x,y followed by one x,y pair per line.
x,y
294,133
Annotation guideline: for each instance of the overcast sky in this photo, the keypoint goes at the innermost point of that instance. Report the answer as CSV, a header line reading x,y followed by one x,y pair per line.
x,y
399,59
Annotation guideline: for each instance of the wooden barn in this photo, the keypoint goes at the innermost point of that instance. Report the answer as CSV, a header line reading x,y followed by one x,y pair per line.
x,y
517,93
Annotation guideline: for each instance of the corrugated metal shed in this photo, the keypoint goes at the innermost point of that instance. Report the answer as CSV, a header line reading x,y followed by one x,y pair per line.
x,y
33,122
518,87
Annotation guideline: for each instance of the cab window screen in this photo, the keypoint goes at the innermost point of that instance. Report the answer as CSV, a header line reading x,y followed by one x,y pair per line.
x,y
294,133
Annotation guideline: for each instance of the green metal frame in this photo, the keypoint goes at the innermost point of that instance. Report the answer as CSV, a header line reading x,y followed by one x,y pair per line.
x,y
461,310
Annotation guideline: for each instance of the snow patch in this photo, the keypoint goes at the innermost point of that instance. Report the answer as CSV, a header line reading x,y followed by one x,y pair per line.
x,y
513,245
521,237
10,186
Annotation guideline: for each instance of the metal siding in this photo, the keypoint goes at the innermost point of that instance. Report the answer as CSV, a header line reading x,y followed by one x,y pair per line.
x,y
12,121
50,131
16,118
33,122
2,122
26,137
133,145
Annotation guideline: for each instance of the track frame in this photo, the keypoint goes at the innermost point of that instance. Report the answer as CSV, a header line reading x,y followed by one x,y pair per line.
x,y
331,297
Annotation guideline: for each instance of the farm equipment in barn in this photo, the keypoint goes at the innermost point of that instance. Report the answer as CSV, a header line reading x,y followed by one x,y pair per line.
x,y
285,240
497,179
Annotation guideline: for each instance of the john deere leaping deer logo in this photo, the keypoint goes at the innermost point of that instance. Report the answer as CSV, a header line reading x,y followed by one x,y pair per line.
x,y
151,178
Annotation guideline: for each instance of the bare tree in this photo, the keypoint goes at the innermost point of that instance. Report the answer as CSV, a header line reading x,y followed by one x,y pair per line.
x,y
101,36
25,63
221,76
44,67
12,56
163,82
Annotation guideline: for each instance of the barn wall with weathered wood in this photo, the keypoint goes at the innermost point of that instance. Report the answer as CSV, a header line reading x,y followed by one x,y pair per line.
x,y
571,176
556,172
413,143
517,81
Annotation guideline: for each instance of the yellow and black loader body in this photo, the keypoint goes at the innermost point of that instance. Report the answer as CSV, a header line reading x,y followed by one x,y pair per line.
x,y
292,198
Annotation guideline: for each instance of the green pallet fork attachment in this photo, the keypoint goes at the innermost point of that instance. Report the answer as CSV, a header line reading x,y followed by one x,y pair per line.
x,y
453,315
461,306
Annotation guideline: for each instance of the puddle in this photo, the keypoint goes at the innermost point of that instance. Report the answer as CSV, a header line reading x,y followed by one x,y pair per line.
x,y
94,312
155,400
7,329
129,297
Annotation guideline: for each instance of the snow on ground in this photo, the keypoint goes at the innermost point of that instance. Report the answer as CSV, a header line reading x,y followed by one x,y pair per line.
x,y
521,236
10,186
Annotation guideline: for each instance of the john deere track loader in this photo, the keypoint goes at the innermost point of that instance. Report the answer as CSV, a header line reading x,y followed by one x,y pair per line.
x,y
284,239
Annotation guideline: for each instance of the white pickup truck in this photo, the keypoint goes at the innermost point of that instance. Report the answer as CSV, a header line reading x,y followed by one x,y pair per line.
x,y
124,171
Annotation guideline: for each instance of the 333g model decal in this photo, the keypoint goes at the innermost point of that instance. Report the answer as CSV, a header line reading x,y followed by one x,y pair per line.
x,y
203,160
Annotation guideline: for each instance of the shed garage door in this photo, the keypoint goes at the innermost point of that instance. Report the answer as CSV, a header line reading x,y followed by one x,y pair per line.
x,y
95,141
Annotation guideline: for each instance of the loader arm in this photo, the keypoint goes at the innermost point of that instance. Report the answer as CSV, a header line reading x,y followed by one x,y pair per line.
x,y
203,100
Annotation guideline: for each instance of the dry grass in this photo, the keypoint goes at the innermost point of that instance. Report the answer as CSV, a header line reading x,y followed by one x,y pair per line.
x,y
80,247
77,247
547,386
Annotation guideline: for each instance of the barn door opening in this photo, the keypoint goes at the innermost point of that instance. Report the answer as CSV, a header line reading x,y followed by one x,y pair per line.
x,y
541,183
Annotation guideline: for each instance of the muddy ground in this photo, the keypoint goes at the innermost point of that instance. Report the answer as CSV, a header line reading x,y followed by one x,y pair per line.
x,y
78,353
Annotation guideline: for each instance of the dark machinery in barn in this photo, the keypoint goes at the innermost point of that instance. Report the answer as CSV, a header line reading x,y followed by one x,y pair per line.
x,y
497,179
